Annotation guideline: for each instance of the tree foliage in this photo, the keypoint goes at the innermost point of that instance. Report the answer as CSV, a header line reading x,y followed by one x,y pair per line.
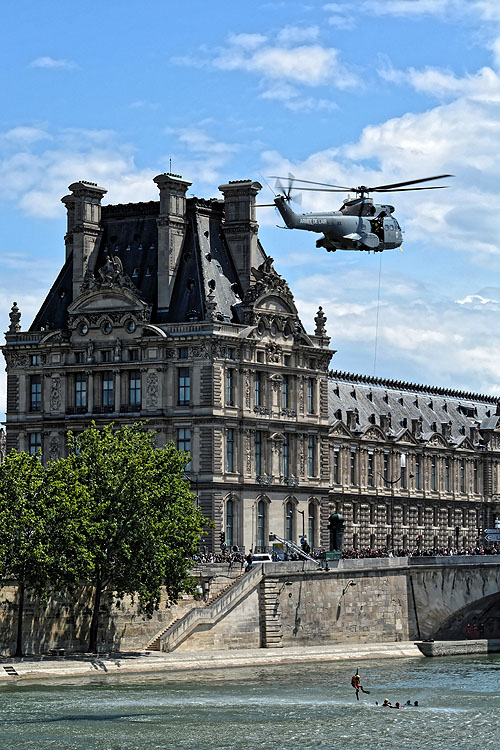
x,y
139,523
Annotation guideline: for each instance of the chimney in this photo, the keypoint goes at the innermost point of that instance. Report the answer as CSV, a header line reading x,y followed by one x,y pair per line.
x,y
84,228
171,231
240,227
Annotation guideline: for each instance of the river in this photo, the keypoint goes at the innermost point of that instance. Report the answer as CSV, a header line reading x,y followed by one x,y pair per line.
x,y
292,706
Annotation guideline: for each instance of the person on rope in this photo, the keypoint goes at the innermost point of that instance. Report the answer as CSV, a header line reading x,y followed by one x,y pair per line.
x,y
356,684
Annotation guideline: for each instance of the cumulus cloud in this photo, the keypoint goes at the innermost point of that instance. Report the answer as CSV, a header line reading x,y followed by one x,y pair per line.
x,y
51,63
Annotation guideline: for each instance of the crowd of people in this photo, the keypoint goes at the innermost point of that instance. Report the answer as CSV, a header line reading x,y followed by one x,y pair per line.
x,y
236,557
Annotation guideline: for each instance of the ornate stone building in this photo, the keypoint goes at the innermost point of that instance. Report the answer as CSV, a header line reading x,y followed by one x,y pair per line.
x,y
170,311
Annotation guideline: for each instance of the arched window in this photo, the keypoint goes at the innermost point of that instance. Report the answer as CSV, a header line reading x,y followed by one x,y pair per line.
x,y
311,526
261,525
372,541
230,523
289,521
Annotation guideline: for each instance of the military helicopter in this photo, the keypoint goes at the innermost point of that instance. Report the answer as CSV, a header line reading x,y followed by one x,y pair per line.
x,y
359,224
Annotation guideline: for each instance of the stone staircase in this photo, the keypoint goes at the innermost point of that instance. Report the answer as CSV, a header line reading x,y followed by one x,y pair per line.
x,y
219,585
176,632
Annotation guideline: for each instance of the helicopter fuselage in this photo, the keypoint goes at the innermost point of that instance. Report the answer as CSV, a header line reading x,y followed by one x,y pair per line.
x,y
359,225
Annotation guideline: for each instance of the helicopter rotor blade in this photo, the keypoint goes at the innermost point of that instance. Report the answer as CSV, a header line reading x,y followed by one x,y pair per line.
x,y
312,182
408,182
403,190
329,190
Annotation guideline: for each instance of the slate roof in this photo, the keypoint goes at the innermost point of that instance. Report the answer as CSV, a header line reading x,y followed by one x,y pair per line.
x,y
206,269
373,398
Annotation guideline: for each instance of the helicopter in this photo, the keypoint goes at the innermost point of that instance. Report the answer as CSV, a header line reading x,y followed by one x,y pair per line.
x,y
359,224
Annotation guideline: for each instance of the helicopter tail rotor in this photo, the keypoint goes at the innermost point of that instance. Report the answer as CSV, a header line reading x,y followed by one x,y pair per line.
x,y
286,190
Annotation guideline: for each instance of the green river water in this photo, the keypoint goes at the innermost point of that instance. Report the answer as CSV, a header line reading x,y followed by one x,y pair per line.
x,y
292,706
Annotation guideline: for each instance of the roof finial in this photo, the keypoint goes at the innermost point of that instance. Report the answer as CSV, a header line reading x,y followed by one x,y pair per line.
x,y
320,321
15,318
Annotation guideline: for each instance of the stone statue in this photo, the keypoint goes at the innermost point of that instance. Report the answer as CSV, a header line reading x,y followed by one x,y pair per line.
x,y
15,318
90,351
118,350
320,321
112,271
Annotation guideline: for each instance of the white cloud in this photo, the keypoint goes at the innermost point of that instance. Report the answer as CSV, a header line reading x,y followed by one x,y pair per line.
x,y
25,135
51,63
481,86
295,34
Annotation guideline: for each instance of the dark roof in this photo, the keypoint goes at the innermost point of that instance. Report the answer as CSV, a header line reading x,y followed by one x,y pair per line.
x,y
206,269
371,398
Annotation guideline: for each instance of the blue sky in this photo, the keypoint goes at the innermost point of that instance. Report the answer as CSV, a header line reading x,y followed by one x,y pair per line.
x,y
350,93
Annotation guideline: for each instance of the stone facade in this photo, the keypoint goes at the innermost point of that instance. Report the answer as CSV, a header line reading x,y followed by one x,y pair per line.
x,y
171,311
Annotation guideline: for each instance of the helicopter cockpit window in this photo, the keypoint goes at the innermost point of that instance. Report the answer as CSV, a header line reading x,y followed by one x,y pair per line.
x,y
358,209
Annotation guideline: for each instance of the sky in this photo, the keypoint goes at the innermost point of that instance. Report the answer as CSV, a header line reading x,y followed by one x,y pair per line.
x,y
370,92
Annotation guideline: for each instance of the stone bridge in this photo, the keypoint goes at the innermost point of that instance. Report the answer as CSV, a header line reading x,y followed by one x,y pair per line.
x,y
369,600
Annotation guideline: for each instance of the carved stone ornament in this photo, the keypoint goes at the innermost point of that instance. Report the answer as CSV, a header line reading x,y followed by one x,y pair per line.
x,y
199,351
273,352
152,384
248,389
268,279
248,451
110,274
54,449
15,319
55,393
16,360
320,321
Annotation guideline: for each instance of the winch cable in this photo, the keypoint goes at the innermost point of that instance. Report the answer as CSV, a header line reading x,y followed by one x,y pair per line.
x,y
377,316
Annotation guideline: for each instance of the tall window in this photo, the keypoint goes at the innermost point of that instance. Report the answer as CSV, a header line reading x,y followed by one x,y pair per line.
x,y
230,523
403,471
286,456
462,475
386,466
35,392
230,449
258,389
476,480
433,473
289,521
258,452
183,386
418,478
107,389
311,526
35,443
261,524
371,471
336,466
230,387
134,388
80,390
447,474
311,455
310,395
184,442
353,466
285,392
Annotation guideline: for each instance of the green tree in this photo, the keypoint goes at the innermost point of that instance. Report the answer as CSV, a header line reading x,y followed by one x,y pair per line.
x,y
37,527
139,520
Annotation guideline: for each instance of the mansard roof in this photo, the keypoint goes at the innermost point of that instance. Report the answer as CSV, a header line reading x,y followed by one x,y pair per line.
x,y
206,270
393,405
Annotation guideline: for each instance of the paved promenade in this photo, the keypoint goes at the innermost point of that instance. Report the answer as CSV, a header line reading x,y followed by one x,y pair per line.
x,y
147,662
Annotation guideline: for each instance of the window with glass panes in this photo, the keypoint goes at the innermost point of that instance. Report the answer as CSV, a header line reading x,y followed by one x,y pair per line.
x,y
183,386
107,389
80,390
258,389
386,466
230,449
35,443
418,479
311,455
184,442
285,392
447,474
35,392
403,471
336,466
311,525
433,473
289,521
371,471
134,388
462,475
353,466
476,480
261,525
230,387
258,452
230,523
286,455
310,395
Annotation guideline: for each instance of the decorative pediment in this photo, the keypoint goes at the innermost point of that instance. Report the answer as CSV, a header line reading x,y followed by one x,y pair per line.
x,y
338,429
465,444
405,436
373,433
437,440
106,300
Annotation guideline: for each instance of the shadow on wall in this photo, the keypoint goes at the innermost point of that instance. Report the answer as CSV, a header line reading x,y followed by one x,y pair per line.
x,y
481,619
